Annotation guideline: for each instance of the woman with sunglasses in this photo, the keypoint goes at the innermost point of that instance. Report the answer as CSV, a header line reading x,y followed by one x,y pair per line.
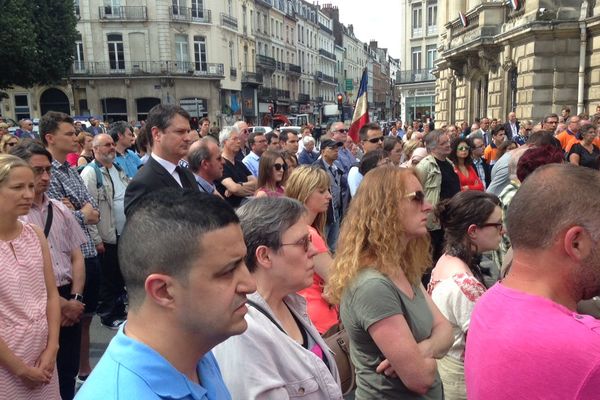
x,y
30,310
382,253
7,142
463,165
310,185
472,223
271,172
281,355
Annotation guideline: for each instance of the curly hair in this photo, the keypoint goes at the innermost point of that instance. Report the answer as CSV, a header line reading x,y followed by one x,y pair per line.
x,y
303,182
373,236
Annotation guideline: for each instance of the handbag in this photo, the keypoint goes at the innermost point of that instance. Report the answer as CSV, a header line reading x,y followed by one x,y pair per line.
x,y
338,341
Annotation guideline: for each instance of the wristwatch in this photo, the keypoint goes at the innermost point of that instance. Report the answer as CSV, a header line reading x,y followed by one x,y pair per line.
x,y
76,296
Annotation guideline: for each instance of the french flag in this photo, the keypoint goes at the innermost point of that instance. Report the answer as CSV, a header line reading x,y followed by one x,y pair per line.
x,y
515,4
361,108
463,19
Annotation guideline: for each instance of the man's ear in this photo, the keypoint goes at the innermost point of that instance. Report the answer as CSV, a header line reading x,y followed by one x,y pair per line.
x,y
160,289
577,243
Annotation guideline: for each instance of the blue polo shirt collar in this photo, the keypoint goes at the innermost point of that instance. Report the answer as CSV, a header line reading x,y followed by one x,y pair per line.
x,y
155,370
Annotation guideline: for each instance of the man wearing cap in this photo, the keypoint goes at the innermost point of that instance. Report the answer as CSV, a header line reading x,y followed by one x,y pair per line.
x,y
328,162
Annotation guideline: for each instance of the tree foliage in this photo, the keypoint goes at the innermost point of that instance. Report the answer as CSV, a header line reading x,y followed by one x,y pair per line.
x,y
37,41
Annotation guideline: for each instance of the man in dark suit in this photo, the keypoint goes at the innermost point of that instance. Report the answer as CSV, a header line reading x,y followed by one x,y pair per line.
x,y
169,127
512,126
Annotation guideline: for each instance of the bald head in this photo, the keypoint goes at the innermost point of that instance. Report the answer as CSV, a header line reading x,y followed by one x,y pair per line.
x,y
546,199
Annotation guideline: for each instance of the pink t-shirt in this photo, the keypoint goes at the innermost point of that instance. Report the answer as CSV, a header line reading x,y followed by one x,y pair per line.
x,y
521,346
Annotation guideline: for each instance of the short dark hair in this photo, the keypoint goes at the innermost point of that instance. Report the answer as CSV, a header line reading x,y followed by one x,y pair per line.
x,y
28,148
163,235
284,135
160,115
371,126
202,120
49,123
118,127
551,115
542,138
370,160
252,137
389,142
270,136
497,129
264,220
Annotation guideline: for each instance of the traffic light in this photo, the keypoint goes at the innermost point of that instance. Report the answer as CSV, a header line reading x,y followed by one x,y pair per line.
x,y
270,109
340,99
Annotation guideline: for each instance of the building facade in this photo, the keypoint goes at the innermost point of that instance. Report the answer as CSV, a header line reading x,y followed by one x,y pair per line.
x,y
415,80
533,59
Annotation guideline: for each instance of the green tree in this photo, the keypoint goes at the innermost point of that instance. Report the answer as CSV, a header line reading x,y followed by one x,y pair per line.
x,y
37,40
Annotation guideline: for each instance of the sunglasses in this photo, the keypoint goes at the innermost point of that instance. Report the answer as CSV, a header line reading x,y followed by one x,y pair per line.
x,y
463,148
304,242
376,139
41,170
279,166
417,196
342,130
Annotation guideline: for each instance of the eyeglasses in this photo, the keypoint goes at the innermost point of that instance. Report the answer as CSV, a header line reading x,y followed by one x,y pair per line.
x,y
463,148
41,170
342,130
279,166
376,139
497,225
304,242
417,196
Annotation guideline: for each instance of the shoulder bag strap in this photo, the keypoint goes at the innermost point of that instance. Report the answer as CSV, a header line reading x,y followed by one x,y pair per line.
x,y
266,314
48,220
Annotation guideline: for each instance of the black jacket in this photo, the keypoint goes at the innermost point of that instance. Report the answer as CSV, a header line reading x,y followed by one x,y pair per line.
x,y
151,177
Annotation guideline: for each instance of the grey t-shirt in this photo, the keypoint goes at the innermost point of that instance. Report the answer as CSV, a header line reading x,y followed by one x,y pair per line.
x,y
370,298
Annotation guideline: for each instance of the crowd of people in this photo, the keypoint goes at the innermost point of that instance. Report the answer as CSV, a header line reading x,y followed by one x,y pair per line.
x,y
225,263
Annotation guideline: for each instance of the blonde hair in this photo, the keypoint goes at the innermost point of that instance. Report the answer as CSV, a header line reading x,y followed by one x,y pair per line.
x,y
8,163
303,182
373,235
5,139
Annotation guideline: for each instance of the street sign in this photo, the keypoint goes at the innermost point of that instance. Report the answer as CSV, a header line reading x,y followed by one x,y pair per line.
x,y
349,85
197,107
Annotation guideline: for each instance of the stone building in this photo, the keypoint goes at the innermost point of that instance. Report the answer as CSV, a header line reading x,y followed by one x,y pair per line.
x,y
418,52
533,59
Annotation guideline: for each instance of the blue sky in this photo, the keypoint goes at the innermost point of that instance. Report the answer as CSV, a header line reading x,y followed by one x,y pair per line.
x,y
373,19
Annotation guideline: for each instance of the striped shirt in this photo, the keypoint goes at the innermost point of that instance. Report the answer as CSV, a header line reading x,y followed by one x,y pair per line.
x,y
66,182
65,236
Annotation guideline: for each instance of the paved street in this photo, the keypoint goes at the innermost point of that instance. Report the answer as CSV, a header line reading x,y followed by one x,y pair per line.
x,y
99,339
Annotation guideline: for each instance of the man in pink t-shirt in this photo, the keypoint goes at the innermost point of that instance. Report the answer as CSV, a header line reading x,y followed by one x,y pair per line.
x,y
526,340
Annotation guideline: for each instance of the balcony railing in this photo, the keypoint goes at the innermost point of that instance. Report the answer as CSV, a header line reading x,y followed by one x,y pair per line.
x,y
280,65
327,54
420,75
282,94
148,68
273,93
123,13
187,14
324,28
417,32
252,77
303,98
229,21
432,30
266,62
265,3
321,77
294,69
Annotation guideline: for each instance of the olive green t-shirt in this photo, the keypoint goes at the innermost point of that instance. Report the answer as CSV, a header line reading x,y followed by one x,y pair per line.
x,y
371,297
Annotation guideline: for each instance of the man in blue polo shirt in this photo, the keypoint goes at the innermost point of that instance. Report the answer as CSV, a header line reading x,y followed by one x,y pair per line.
x,y
187,283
